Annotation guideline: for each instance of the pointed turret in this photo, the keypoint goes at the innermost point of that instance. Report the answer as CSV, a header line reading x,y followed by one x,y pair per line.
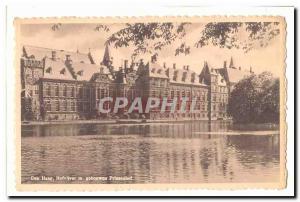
x,y
106,57
107,61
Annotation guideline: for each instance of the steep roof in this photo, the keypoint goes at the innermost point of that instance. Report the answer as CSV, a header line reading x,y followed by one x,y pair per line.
x,y
40,53
235,75
184,76
84,72
56,70
155,70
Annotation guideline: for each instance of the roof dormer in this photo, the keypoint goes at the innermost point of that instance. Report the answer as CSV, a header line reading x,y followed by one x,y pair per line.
x,y
63,71
49,70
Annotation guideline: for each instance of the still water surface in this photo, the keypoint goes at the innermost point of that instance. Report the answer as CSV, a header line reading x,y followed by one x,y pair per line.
x,y
181,152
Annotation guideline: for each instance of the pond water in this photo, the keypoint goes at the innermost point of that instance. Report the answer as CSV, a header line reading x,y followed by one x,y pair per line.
x,y
181,152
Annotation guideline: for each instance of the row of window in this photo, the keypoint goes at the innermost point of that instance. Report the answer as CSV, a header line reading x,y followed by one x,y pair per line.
x,y
220,98
66,91
62,105
219,107
159,82
220,89
178,93
215,115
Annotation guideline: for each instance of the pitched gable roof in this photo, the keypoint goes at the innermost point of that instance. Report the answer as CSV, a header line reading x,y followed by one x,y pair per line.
x,y
56,70
39,53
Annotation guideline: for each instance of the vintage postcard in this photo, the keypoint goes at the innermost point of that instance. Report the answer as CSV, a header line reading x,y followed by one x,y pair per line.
x,y
149,103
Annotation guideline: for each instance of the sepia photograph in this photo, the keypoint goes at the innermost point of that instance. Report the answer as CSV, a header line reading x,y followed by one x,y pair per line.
x,y
175,102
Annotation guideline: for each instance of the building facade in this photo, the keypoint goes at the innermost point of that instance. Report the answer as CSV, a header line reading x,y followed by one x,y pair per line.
x,y
62,85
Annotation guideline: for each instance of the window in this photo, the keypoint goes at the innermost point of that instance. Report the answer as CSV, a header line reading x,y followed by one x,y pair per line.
x,y
80,106
47,106
172,93
87,93
72,106
63,71
80,92
56,105
72,91
56,90
48,90
153,93
203,107
65,90
63,105
183,93
102,93
158,82
188,94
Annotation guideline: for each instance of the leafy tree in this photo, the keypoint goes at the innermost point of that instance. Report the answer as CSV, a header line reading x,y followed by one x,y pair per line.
x,y
26,109
152,37
255,99
220,34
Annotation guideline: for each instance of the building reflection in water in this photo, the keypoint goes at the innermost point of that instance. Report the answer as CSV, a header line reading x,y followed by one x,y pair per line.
x,y
181,152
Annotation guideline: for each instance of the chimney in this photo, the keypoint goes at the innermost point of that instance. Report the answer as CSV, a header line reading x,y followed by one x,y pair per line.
x,y
68,60
174,65
54,55
141,62
187,67
68,57
251,70
184,67
125,64
225,64
165,66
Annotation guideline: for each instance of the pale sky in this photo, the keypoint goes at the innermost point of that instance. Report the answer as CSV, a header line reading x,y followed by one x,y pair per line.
x,y
83,37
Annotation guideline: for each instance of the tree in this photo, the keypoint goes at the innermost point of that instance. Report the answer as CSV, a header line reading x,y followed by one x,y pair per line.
x,y
152,37
255,99
221,34
26,109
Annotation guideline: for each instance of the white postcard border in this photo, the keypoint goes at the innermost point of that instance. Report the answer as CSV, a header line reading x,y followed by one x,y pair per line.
x,y
83,11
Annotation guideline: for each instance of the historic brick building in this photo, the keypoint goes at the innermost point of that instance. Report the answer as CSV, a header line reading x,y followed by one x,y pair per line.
x,y
62,85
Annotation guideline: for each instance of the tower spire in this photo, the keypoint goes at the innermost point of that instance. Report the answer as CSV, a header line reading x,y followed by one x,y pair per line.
x,y
106,57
